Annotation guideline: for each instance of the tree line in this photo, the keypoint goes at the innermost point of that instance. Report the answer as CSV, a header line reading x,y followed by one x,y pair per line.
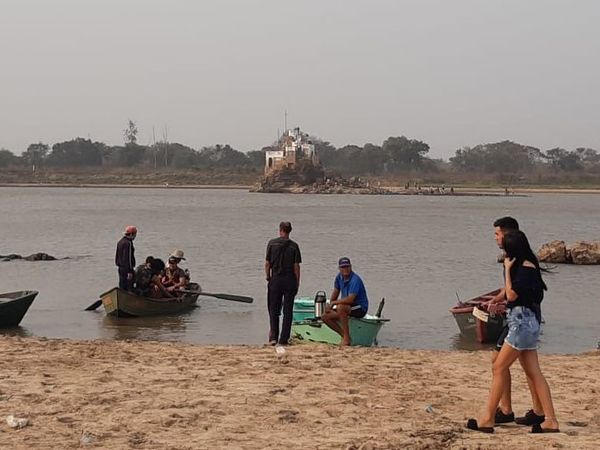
x,y
395,156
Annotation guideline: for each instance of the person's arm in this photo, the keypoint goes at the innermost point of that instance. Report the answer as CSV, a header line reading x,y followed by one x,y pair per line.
x,y
161,288
498,298
268,270
334,295
511,295
297,273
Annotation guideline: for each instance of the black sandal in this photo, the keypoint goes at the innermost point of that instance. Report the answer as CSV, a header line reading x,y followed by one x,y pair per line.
x,y
500,417
472,425
537,428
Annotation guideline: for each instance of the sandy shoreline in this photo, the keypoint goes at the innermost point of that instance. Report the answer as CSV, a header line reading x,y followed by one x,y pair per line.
x,y
176,396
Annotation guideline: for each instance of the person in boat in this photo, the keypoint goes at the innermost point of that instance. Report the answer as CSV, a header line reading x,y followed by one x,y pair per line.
x,y
143,277
125,258
352,303
497,305
524,289
282,271
157,290
175,278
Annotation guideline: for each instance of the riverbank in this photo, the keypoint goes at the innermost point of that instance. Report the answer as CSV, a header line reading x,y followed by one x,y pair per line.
x,y
123,394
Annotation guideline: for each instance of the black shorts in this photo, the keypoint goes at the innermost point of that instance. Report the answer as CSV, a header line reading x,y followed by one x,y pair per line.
x,y
501,338
358,312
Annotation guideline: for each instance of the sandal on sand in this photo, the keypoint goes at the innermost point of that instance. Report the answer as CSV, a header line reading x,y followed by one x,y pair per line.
x,y
500,417
537,428
472,425
530,418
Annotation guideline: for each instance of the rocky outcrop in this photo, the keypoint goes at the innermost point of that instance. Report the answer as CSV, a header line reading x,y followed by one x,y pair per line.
x,y
553,252
584,253
581,252
32,257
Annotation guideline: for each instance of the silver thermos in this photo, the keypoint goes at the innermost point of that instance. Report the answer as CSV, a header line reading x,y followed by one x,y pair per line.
x,y
320,300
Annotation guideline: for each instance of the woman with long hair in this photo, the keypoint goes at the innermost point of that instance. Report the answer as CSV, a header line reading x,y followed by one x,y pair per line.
x,y
524,288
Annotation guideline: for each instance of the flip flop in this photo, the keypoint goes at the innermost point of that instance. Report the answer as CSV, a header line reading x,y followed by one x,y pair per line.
x,y
504,418
472,425
537,428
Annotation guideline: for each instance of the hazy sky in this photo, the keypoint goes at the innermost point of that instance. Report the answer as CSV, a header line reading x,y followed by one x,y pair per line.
x,y
451,73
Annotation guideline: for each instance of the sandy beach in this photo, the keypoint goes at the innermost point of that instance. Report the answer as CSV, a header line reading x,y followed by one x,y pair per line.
x,y
117,394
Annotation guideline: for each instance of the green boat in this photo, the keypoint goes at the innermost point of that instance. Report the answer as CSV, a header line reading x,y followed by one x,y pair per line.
x,y
307,328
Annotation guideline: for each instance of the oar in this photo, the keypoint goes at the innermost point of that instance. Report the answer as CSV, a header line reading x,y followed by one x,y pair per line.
x,y
231,297
94,305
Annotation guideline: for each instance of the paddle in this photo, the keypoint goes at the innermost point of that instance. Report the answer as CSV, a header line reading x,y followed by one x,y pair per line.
x,y
94,305
231,297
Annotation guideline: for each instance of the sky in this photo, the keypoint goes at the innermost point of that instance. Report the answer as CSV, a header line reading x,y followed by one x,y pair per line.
x,y
451,73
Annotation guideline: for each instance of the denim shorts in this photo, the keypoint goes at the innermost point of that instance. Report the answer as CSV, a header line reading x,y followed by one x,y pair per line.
x,y
523,328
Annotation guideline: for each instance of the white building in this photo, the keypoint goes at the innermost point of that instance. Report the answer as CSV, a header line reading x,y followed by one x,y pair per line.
x,y
294,147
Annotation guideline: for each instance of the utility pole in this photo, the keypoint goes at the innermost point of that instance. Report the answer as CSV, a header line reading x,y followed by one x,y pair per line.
x,y
154,145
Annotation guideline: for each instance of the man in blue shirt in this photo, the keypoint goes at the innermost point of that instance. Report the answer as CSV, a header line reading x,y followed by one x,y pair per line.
x,y
353,301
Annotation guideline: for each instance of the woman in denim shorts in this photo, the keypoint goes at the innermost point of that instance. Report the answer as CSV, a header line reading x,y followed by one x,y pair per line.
x,y
524,291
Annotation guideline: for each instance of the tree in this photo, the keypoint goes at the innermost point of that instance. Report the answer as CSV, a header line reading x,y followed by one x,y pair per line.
x,y
35,154
404,153
130,133
562,159
8,158
77,152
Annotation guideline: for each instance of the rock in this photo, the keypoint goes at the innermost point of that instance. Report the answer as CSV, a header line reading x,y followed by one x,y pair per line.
x,y
33,257
40,257
16,422
553,252
583,252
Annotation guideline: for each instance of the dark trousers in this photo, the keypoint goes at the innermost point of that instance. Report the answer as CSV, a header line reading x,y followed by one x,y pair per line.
x,y
282,290
124,283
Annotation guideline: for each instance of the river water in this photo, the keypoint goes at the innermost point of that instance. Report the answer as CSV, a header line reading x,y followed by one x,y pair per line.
x,y
416,251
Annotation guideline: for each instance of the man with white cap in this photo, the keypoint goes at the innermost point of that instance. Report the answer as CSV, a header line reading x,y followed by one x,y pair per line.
x,y
353,301
175,277
125,258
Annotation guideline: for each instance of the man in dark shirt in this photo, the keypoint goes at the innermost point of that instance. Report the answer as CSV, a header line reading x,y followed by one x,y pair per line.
x,y
282,270
125,258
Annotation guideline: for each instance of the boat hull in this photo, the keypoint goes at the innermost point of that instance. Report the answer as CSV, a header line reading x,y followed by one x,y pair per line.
x,y
363,331
120,303
13,306
483,328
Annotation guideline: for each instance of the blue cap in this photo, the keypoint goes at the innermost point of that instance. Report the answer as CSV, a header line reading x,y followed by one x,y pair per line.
x,y
344,262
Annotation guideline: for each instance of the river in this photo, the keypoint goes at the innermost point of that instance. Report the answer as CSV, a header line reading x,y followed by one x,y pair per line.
x,y
418,252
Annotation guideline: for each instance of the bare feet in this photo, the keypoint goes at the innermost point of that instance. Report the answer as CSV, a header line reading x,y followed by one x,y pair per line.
x,y
345,342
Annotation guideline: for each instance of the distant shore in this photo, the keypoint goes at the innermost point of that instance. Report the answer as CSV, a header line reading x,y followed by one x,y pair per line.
x,y
134,394
462,190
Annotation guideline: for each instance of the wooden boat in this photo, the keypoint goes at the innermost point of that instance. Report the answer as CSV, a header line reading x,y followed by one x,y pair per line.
x,y
475,322
13,307
120,303
305,327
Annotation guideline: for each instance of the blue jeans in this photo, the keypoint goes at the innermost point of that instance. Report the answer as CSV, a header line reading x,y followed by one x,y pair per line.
x,y
523,328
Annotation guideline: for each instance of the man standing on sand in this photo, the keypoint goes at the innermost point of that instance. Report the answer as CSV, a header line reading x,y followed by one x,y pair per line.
x,y
354,301
282,271
504,413
125,258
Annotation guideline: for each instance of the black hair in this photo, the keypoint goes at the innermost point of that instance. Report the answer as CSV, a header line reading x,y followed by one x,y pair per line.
x,y
149,259
157,266
286,227
516,245
507,223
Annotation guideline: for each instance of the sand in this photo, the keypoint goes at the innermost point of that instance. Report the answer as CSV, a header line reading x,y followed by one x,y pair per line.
x,y
150,395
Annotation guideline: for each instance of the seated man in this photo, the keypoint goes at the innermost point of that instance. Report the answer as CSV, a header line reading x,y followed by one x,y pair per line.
x,y
157,290
175,277
143,277
353,301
